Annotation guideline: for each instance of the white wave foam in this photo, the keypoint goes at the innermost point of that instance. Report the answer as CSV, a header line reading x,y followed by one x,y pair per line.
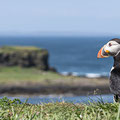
x,y
93,75
88,75
65,73
75,74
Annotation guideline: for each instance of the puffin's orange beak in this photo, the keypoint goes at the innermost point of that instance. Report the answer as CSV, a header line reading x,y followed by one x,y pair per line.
x,y
99,55
102,53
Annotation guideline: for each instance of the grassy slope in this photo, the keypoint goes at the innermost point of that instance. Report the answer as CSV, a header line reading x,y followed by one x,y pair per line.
x,y
17,76
8,49
13,75
10,110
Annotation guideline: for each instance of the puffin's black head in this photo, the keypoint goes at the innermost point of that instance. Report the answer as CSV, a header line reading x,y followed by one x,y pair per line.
x,y
112,48
116,40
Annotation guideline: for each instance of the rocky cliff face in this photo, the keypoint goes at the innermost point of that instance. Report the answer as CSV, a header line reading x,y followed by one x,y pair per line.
x,y
24,57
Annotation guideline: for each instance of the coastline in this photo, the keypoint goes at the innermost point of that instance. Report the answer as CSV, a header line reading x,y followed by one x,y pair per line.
x,y
32,81
77,87
29,73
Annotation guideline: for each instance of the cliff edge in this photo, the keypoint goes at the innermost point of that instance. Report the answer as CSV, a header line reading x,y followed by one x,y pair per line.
x,y
24,56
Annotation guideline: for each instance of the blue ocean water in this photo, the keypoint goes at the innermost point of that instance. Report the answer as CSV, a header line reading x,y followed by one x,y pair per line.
x,y
76,55
76,99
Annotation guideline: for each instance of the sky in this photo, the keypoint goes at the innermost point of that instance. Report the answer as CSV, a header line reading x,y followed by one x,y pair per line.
x,y
72,17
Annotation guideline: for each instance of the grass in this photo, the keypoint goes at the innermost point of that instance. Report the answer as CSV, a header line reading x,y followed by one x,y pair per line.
x,y
12,75
15,110
22,50
18,75
7,49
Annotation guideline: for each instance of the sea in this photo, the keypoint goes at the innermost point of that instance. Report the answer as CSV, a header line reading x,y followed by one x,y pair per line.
x,y
75,56
74,99
69,55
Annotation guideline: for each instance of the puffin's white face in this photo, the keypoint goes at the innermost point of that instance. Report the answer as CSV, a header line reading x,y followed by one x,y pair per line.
x,y
112,48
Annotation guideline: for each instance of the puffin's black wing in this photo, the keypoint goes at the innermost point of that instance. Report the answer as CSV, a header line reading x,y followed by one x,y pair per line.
x,y
115,81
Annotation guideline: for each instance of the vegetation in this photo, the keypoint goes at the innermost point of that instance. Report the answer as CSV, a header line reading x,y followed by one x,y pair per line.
x,y
16,110
19,75
8,49
24,56
19,65
13,75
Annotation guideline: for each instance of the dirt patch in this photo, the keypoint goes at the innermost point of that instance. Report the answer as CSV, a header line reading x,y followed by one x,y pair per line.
x,y
54,89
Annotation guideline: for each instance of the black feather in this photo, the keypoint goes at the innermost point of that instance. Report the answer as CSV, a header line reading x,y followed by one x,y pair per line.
x,y
116,39
115,76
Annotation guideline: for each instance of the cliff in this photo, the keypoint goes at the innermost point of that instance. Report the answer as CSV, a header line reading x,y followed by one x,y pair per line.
x,y
24,57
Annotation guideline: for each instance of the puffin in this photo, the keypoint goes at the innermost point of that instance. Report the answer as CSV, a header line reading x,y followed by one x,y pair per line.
x,y
112,48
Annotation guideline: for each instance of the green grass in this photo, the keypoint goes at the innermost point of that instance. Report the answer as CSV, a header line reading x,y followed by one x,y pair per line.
x,y
7,49
23,50
22,76
13,75
14,110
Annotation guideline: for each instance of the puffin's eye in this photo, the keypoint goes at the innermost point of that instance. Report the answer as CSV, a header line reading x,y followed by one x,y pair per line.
x,y
110,44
